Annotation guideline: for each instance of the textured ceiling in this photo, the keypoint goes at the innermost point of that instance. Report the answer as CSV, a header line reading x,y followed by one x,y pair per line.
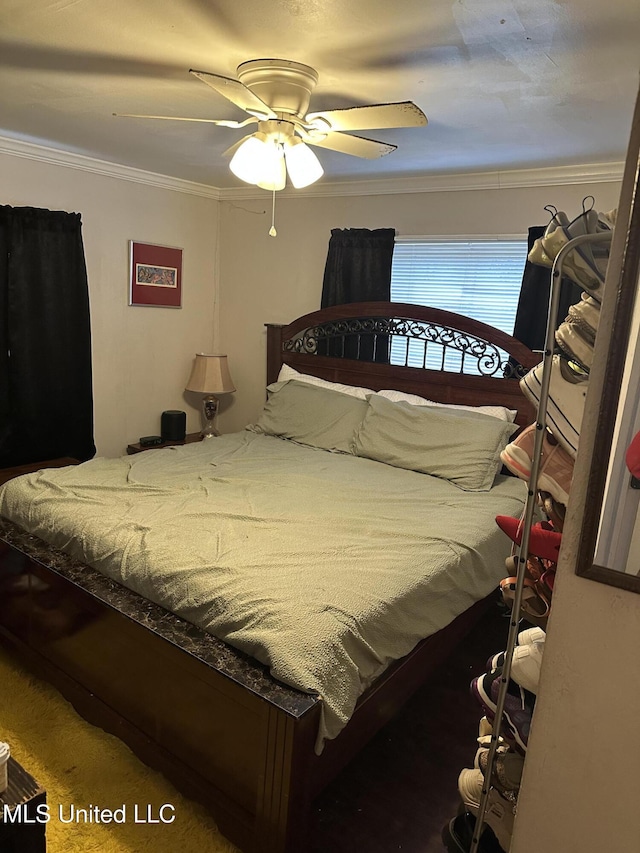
x,y
505,85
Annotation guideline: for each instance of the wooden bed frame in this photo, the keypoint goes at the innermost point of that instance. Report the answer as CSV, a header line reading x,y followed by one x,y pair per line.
x,y
210,718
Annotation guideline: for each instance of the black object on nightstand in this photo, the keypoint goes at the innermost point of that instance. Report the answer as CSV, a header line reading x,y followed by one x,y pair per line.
x,y
22,831
173,425
151,440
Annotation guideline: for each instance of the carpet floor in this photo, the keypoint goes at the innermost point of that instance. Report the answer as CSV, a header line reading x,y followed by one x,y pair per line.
x,y
396,795
80,765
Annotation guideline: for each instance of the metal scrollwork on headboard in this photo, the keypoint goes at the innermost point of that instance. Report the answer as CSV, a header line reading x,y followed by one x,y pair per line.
x,y
414,343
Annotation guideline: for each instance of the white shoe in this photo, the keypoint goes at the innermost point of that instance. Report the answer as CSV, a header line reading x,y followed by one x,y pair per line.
x,y
565,404
587,264
572,341
470,782
531,635
585,314
500,813
525,665
538,255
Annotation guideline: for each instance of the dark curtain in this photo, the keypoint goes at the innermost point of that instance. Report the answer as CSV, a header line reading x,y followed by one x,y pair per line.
x,y
46,402
533,306
358,269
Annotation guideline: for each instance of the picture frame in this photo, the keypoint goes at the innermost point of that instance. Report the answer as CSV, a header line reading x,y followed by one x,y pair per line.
x,y
155,275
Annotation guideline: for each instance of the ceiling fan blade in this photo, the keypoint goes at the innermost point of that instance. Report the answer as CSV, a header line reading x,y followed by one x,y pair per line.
x,y
402,114
219,122
237,93
357,146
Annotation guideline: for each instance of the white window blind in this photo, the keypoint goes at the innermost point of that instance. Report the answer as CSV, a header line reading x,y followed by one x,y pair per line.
x,y
480,278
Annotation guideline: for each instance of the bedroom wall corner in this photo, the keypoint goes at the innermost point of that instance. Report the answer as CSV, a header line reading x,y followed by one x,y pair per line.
x,y
141,355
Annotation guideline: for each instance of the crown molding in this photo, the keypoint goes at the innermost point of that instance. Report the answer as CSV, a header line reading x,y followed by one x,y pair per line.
x,y
591,173
507,179
57,157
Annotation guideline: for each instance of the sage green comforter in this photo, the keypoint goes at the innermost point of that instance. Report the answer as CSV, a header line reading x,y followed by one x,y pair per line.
x,y
323,566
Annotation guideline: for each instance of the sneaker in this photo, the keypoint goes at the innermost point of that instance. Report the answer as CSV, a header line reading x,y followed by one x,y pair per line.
x,y
458,834
538,254
525,664
507,768
531,635
495,662
565,405
470,784
499,816
591,258
574,344
586,315
556,466
518,705
544,541
587,264
485,729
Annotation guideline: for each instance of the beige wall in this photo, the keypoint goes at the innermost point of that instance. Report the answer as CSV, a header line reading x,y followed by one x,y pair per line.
x,y
141,356
275,279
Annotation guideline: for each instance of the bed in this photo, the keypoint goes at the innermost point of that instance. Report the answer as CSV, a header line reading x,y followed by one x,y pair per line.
x,y
225,722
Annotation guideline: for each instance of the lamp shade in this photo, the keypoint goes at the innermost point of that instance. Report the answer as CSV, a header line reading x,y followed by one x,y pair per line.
x,y
210,375
247,162
274,174
302,164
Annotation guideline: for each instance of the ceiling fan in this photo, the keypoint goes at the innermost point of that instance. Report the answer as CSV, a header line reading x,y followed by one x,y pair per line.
x,y
276,93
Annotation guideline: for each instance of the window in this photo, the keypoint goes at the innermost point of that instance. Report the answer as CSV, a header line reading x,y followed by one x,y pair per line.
x,y
480,278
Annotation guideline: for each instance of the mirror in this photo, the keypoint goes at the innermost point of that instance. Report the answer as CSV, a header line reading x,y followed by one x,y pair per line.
x,y
609,546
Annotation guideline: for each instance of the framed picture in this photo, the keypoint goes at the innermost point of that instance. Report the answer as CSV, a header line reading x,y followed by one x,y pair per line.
x,y
155,275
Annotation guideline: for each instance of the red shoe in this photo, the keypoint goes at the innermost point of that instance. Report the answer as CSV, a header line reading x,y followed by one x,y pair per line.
x,y
632,457
544,541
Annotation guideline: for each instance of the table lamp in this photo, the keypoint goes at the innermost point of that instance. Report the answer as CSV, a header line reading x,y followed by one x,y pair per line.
x,y
210,376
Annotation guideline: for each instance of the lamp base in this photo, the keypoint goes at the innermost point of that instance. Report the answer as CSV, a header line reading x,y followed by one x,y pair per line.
x,y
209,410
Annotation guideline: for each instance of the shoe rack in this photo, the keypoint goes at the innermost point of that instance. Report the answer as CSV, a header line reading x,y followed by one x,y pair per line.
x,y
528,515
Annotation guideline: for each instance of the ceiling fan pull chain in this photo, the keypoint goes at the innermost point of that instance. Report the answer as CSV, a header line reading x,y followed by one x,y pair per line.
x,y
272,230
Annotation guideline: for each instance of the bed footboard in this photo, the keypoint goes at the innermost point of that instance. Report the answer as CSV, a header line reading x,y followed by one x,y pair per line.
x,y
233,748
221,729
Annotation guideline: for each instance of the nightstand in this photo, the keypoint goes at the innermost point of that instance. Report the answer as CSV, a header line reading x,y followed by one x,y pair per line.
x,y
188,439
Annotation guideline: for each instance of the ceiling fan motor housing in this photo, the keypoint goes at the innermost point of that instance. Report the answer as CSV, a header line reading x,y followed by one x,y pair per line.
x,y
284,85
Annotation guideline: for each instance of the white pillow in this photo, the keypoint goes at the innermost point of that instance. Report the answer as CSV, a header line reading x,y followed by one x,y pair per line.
x,y
287,373
499,412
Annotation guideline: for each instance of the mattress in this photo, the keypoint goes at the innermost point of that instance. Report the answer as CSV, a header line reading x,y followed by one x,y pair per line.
x,y
323,566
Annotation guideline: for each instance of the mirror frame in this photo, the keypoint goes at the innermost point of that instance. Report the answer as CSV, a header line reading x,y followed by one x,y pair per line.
x,y
622,276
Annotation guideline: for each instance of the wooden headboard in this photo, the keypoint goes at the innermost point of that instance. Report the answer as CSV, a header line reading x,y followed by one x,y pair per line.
x,y
476,363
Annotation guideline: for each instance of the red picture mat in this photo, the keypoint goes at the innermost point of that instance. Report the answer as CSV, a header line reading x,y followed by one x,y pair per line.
x,y
155,275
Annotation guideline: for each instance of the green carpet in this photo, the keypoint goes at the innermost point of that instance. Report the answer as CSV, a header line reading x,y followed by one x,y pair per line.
x,y
80,765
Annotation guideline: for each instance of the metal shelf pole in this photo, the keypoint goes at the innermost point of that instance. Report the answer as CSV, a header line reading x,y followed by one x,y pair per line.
x,y
523,548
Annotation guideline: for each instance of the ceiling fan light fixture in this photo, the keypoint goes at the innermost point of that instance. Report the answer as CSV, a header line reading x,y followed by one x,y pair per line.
x,y
303,166
273,174
260,161
246,163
